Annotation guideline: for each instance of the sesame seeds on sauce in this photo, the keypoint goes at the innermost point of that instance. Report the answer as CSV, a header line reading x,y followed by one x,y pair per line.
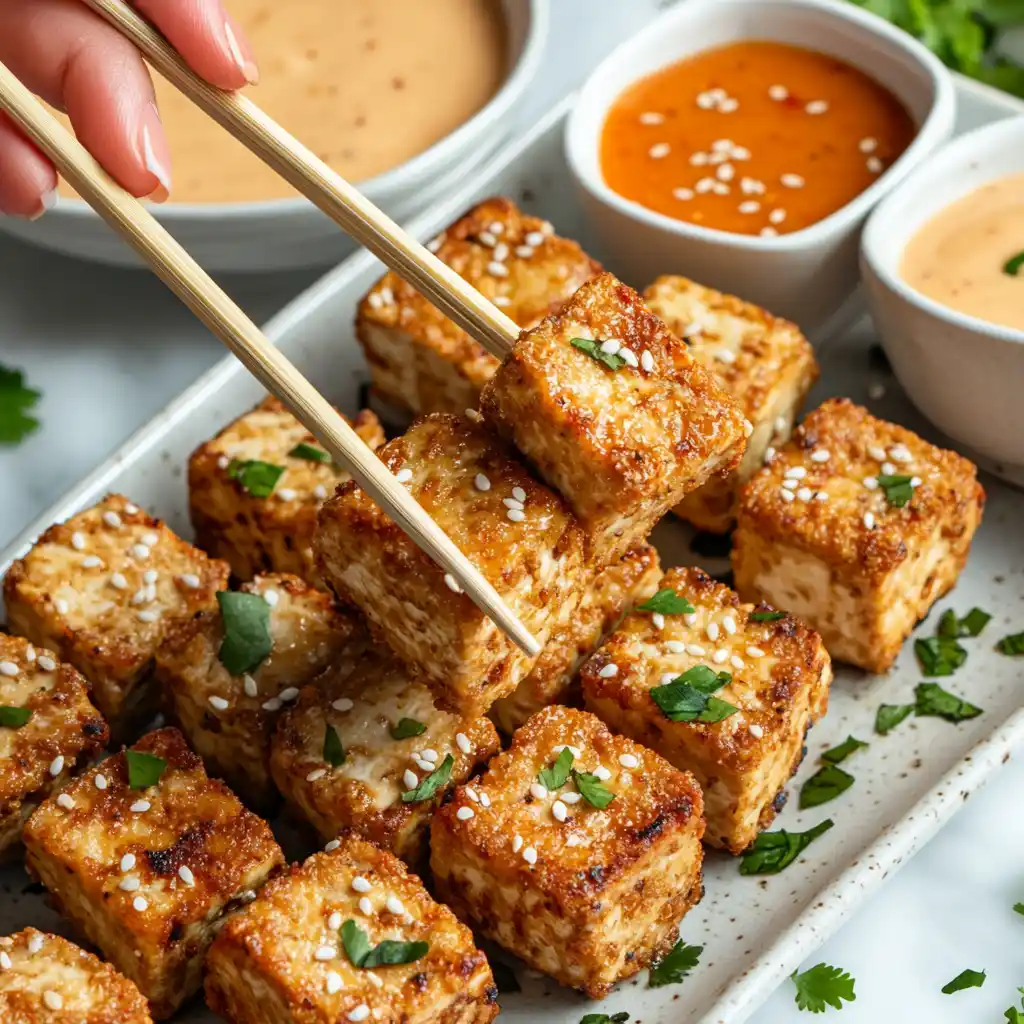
x,y
753,138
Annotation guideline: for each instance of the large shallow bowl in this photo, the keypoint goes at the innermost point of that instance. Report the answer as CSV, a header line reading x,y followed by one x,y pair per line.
x,y
281,234
809,274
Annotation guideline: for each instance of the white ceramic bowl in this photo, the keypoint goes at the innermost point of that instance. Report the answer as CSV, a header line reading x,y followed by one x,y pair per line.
x,y
807,275
285,234
963,373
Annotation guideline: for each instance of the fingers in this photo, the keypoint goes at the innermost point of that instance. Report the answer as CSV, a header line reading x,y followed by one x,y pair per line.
x,y
28,184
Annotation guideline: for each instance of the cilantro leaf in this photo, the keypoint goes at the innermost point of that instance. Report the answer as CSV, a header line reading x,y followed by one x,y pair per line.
x,y
772,852
839,754
334,752
258,478
310,453
429,786
970,625
15,400
12,717
1013,1015
555,777
675,965
898,488
939,655
247,640
1019,908
389,952
144,770
688,697
593,790
965,979
824,785
666,602
933,700
1013,265
766,616
593,349
406,728
1012,644
605,1018
890,715
822,986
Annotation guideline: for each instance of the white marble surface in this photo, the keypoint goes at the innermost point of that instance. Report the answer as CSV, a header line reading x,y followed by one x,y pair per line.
x,y
109,348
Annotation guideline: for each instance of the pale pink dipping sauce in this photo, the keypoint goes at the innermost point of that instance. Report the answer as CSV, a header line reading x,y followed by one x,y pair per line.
x,y
962,256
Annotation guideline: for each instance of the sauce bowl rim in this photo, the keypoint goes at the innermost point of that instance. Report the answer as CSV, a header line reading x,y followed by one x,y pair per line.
x,y
944,166
581,143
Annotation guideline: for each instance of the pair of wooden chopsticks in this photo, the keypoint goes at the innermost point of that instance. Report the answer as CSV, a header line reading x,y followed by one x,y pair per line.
x,y
348,208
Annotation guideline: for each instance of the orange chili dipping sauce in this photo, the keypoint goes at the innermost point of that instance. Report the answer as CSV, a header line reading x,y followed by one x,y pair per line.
x,y
753,138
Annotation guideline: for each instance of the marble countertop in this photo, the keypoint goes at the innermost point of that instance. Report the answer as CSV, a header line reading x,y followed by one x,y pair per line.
x,y
109,348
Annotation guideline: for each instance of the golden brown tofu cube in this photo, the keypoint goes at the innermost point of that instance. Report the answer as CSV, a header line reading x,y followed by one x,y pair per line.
x,y
623,442
45,979
420,361
520,535
229,718
149,872
587,894
256,532
391,738
773,677
858,526
762,361
554,679
48,730
284,960
102,590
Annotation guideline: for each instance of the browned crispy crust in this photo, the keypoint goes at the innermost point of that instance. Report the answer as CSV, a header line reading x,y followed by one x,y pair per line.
x,y
419,359
622,446
275,534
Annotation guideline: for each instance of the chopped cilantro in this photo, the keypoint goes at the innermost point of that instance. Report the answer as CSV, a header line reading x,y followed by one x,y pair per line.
x,y
555,777
15,400
593,349
965,979
970,625
144,770
429,786
939,655
890,715
897,487
772,852
310,453
1019,908
666,602
839,754
824,785
688,697
12,717
406,728
593,790
766,616
675,965
389,952
247,640
1012,644
1013,265
1013,1015
258,478
932,699
605,1018
334,752
822,986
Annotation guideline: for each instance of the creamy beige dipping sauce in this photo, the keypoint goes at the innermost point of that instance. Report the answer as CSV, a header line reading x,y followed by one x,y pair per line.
x,y
964,256
365,84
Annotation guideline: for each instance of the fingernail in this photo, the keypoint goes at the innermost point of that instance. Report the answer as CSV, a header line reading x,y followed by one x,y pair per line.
x,y
46,202
248,67
155,156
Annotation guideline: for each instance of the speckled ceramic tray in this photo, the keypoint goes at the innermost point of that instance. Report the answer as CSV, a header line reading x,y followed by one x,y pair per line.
x,y
755,931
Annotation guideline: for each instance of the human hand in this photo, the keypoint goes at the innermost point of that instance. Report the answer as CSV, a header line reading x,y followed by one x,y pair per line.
x,y
79,64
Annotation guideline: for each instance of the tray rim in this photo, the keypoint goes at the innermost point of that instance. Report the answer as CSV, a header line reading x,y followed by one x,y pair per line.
x,y
742,994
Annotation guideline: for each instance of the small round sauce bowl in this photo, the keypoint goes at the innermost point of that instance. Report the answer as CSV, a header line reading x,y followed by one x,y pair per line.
x,y
964,373
806,275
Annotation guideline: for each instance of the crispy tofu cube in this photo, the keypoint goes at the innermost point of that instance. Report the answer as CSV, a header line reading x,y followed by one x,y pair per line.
x,y
364,793
229,719
520,535
554,679
256,534
45,979
282,959
587,895
821,535
48,730
149,874
622,445
420,361
762,361
102,590
778,677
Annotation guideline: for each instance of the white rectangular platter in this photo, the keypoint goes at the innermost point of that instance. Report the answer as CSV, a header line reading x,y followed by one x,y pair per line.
x,y
754,931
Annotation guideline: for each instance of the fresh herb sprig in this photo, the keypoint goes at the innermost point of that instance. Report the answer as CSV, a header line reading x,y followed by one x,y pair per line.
x,y
144,770
822,986
689,697
12,717
255,477
666,602
334,751
429,785
772,852
1013,266
363,954
675,965
593,349
406,728
247,641
16,399
965,979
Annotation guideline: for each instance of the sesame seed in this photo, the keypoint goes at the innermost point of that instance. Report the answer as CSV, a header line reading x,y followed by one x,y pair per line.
x,y
118,581
140,551
675,647
667,677
140,807
611,346
516,515
394,905
820,455
424,766
286,494
725,172
698,159
63,800
487,239
463,743
316,774
524,251
429,755
749,206
501,252
900,453
571,798
530,855
435,243
481,482
219,703
786,494
705,100
867,144
140,903
704,185
53,1000
57,765
720,656
877,452
465,813
190,580
821,496
496,269
361,1012
404,475
740,153
343,704
769,455
112,519
537,791
288,693
805,494
869,520
736,661
682,194
320,492
100,782
129,884
78,541
777,216
755,730
629,761
223,462
365,906
497,228
559,811
8,668
517,843
874,164
271,705
35,943
128,862
608,671
778,93
792,180
795,473
148,616
768,233
729,106
334,921
360,884
652,117
324,953
888,469
752,187
185,874
730,624
250,687
659,150
658,620
534,238
333,983
602,773
452,583
628,358
332,846
5,961
755,652
695,650
816,107
712,630
375,301
915,481
870,482
410,779
519,494
472,794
